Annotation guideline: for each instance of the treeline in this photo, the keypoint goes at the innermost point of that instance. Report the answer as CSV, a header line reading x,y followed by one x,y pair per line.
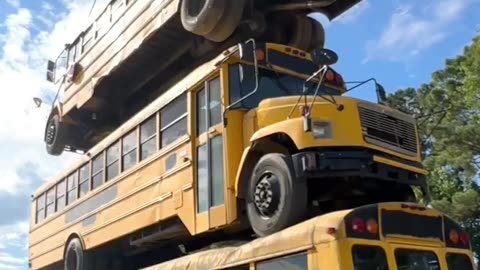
x,y
448,113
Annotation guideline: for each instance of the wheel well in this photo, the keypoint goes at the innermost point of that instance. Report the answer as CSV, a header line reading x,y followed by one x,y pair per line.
x,y
72,236
274,143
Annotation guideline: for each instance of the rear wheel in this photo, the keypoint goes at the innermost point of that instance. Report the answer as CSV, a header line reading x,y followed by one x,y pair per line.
x,y
202,16
295,30
275,200
75,257
228,22
317,39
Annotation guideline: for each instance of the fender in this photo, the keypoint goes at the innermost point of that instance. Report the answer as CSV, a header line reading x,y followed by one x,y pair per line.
x,y
292,127
252,153
238,177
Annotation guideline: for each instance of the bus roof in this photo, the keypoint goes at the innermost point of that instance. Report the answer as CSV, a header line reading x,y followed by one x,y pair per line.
x,y
181,86
293,239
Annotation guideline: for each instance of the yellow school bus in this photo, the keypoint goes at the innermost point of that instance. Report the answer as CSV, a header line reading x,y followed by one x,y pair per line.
x,y
136,49
385,236
249,140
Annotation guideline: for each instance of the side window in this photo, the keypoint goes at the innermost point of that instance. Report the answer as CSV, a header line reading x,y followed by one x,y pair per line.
x,y
97,171
369,257
78,49
61,199
202,179
51,201
83,183
113,155
416,259
297,262
459,261
129,151
173,120
148,138
213,104
72,182
41,208
88,39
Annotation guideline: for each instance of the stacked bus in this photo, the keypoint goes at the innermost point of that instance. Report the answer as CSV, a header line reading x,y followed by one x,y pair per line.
x,y
384,236
257,139
137,49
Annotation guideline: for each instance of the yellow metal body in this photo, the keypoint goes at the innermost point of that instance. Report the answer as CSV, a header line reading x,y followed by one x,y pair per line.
x,y
165,185
321,242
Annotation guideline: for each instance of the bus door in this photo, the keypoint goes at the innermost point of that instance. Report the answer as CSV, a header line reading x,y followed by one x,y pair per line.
x,y
209,147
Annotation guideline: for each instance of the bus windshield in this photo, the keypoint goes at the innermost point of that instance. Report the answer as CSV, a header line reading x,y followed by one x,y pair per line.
x,y
270,84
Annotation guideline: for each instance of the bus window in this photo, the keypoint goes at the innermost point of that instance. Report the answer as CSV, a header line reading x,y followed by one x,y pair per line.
x,y
293,262
369,258
458,261
409,259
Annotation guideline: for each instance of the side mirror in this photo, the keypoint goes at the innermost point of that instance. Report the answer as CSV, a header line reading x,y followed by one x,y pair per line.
x,y
322,56
247,52
381,95
37,101
51,71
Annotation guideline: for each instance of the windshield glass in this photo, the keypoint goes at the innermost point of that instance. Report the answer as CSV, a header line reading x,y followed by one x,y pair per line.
x,y
269,85
409,259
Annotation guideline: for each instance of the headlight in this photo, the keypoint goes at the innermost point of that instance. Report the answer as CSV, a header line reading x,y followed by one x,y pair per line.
x,y
322,130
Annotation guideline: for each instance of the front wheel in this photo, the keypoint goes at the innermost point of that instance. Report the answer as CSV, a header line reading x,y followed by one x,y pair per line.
x,y
55,135
275,199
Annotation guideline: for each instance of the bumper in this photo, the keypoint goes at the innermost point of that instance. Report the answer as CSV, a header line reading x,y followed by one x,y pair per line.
x,y
330,164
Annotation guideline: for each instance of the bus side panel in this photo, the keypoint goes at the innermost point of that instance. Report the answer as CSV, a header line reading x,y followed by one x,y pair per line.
x,y
48,258
149,192
105,56
233,155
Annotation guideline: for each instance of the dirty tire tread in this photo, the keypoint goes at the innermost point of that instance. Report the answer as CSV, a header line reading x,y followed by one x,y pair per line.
x,y
83,260
206,19
318,35
293,203
302,34
228,22
58,144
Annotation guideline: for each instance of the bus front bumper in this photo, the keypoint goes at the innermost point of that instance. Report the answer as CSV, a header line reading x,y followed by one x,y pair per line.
x,y
364,164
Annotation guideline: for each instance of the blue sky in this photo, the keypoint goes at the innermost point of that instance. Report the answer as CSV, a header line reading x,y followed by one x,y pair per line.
x,y
400,43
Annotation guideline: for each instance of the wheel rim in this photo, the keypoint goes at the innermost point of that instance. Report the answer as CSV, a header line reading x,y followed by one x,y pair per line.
x,y
71,260
266,195
51,132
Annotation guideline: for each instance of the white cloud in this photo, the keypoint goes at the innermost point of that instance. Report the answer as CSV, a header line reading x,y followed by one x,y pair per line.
x,y
27,39
14,3
409,32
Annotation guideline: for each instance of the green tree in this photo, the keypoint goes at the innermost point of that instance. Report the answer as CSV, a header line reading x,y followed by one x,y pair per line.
x,y
448,114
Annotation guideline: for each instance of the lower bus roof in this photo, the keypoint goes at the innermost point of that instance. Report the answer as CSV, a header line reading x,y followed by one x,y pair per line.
x,y
296,238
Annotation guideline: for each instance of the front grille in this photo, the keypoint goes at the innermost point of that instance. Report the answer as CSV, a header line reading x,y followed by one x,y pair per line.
x,y
388,131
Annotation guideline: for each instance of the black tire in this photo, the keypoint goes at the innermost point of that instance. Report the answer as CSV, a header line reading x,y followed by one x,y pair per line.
x,y
288,200
317,39
75,258
55,135
228,22
201,16
292,29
